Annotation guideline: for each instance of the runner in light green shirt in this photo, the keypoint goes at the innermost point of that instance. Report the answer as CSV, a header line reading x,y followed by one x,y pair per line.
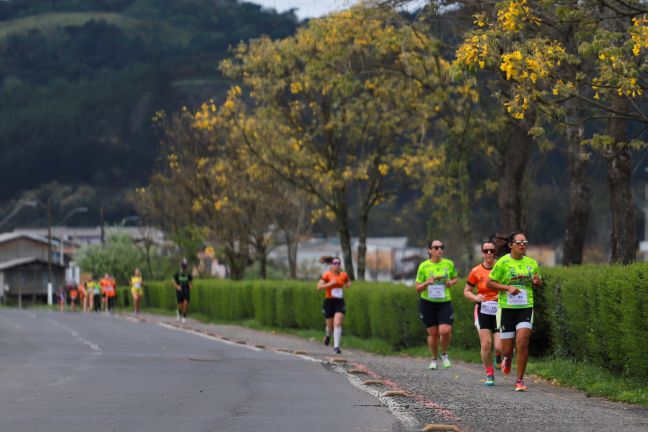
x,y
515,276
433,281
518,273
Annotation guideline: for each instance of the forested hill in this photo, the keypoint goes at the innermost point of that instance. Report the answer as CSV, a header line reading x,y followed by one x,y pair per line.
x,y
80,80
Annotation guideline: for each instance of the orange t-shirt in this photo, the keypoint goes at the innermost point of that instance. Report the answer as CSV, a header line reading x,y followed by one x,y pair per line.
x,y
478,277
107,287
74,293
339,279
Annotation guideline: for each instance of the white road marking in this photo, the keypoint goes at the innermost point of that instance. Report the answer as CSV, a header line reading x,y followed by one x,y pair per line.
x,y
96,350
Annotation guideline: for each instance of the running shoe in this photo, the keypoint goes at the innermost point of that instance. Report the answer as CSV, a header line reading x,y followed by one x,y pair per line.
x,y
490,380
433,365
445,361
506,366
177,315
519,386
337,351
327,340
184,320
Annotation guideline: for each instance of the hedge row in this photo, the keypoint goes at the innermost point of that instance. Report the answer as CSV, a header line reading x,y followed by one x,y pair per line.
x,y
592,313
383,310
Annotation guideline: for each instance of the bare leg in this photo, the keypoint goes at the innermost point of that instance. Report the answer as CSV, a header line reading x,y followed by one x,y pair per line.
x,y
445,331
433,341
498,343
486,346
522,346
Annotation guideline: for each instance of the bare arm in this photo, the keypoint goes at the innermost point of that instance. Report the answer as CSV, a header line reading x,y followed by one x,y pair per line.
x,y
421,286
468,293
499,287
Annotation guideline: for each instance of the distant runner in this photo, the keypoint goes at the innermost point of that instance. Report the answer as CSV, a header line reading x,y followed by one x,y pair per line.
x,y
434,278
137,290
485,311
334,282
514,276
182,281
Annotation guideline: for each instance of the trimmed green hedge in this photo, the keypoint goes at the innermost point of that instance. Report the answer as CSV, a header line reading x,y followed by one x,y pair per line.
x,y
592,313
384,310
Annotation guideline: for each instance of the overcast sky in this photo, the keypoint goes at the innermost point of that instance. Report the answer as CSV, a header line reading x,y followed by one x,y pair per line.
x,y
306,8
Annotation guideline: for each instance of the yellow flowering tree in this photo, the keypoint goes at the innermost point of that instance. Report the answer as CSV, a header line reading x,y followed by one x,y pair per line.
x,y
572,62
341,111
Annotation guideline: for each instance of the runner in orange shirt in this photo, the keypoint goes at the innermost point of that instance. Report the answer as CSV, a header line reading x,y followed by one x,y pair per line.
x,y
82,296
108,293
485,311
334,282
74,296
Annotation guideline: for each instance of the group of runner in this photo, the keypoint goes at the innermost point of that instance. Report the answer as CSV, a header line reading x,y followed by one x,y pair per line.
x,y
503,313
100,296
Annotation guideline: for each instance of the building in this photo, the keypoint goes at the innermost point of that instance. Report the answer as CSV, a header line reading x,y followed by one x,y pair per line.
x,y
24,267
387,258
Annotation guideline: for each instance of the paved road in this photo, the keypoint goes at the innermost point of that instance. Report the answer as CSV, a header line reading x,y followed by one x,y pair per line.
x,y
89,372
457,396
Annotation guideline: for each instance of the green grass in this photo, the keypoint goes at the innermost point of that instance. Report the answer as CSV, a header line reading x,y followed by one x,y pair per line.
x,y
51,21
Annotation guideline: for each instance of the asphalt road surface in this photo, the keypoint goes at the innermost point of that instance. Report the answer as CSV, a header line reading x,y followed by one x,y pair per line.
x,y
91,372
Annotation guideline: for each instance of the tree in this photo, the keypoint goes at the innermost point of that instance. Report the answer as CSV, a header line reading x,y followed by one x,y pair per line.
x,y
344,109
118,257
574,62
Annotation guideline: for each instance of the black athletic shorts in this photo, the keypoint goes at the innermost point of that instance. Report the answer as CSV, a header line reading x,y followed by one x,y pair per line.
x,y
332,306
182,294
485,321
435,313
511,320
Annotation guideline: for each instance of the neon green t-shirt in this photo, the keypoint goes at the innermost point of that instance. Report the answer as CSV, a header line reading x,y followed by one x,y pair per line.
x,y
517,273
444,270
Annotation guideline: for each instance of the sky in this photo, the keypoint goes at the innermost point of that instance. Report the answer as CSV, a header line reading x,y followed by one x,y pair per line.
x,y
306,8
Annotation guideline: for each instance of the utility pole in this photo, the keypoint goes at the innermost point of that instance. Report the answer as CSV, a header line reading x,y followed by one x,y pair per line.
x,y
49,253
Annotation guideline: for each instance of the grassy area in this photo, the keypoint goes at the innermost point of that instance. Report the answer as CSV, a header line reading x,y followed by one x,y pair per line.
x,y
51,21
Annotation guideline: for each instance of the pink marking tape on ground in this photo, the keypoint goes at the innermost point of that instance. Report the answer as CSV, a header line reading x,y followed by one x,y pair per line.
x,y
443,412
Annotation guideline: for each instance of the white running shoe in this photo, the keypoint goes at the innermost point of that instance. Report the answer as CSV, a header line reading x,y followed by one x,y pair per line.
x,y
184,320
433,365
445,361
177,315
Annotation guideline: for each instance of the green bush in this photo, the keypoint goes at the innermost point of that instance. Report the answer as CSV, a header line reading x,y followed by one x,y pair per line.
x,y
593,313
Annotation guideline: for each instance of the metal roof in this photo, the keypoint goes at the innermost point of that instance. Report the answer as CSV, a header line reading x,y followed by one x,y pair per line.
x,y
21,261
9,236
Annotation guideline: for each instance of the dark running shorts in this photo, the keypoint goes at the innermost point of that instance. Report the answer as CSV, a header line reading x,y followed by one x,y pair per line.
x,y
332,306
182,294
511,320
435,313
484,321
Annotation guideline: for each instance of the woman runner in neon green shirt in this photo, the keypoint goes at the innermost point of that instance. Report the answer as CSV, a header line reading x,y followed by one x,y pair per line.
x,y
514,276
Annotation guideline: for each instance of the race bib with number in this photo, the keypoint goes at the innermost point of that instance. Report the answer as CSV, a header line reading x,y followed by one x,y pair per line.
x,y
519,299
138,285
489,308
337,292
436,291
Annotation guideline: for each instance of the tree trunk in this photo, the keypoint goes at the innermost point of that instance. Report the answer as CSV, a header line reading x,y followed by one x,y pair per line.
x,y
291,246
513,164
617,154
262,257
237,259
579,191
342,219
362,244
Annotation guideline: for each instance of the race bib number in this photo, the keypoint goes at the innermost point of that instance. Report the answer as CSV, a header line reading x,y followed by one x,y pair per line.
x,y
138,285
519,299
337,292
489,308
436,291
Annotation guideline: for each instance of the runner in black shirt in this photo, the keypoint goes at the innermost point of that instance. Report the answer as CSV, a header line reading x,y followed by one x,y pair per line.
x,y
182,281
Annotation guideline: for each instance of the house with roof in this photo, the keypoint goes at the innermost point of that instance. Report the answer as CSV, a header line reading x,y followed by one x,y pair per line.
x,y
24,266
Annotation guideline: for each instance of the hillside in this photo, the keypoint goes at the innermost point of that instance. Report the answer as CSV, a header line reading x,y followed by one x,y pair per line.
x,y
80,80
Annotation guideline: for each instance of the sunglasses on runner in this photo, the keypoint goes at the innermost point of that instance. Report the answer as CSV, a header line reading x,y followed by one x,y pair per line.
x,y
438,247
521,242
336,263
488,251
